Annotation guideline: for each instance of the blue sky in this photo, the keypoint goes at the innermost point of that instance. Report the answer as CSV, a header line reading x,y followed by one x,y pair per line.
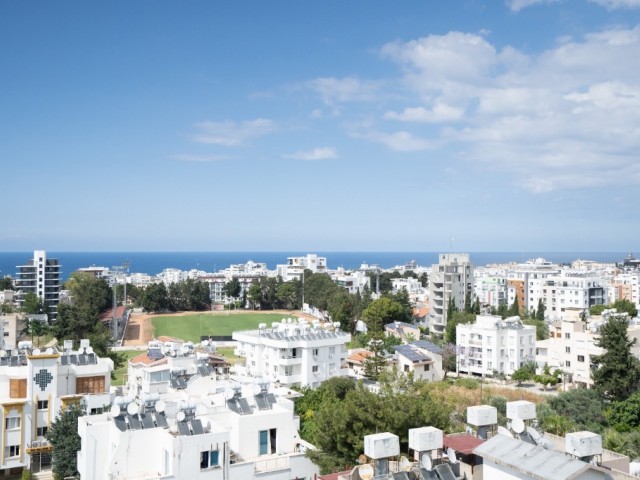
x,y
335,125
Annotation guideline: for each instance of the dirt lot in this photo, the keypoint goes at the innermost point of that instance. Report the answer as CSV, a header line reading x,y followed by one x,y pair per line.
x,y
140,329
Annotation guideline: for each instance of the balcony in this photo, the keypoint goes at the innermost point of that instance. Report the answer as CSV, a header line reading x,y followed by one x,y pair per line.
x,y
289,360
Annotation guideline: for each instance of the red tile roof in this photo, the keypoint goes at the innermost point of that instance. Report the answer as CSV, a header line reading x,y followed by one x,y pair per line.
x,y
462,443
144,358
107,315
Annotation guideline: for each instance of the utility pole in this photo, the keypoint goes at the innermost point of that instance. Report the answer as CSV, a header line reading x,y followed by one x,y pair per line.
x,y
125,267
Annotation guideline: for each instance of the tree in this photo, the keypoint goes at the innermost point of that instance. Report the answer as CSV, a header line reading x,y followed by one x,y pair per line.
x,y
455,319
255,295
232,288
6,283
476,306
514,309
343,308
65,440
287,295
35,328
382,311
547,377
375,364
523,374
540,311
542,329
33,304
467,303
583,406
625,306
615,373
155,298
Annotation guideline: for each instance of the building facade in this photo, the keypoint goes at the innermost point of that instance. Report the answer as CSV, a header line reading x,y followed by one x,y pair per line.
x,y
452,277
40,276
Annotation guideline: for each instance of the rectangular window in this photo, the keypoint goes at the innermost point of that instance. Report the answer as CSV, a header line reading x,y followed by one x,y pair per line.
x,y
581,358
91,385
17,388
315,352
43,404
567,349
426,368
406,368
11,423
567,363
41,431
12,451
314,369
264,442
209,459
567,335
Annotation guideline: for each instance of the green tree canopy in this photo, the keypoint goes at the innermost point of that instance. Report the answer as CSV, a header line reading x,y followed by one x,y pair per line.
x,y
456,318
382,311
65,440
615,373
33,304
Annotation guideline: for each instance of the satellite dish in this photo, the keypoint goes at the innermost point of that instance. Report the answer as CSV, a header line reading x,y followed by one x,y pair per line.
x,y
181,416
3,353
451,453
257,389
365,471
517,424
504,431
49,351
132,408
405,464
362,459
426,462
115,410
204,343
36,351
89,350
160,406
228,394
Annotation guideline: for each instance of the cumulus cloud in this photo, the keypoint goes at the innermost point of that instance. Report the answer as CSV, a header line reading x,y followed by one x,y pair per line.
x,y
517,5
321,153
615,4
565,118
230,133
338,90
401,141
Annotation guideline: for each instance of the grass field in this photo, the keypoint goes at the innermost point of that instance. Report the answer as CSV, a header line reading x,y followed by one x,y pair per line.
x,y
120,372
191,327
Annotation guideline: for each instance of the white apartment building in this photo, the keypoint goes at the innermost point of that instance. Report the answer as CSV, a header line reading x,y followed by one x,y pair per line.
x,y
410,284
34,385
526,282
492,344
491,290
294,354
9,331
41,276
217,282
570,290
451,277
354,282
295,266
180,418
625,286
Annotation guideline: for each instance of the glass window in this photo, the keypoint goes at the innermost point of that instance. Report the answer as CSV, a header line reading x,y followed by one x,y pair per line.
x,y
12,451
209,459
41,431
264,442
11,423
43,404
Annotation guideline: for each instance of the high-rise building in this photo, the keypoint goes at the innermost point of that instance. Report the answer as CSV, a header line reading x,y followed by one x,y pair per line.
x,y
451,277
41,276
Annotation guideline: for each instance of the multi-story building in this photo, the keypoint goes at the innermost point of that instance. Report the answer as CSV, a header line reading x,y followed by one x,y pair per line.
x,y
570,290
295,266
452,277
354,282
526,280
9,331
295,354
492,344
491,291
41,276
625,286
34,385
180,418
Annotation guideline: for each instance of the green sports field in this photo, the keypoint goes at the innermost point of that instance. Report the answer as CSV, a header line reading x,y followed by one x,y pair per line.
x,y
191,327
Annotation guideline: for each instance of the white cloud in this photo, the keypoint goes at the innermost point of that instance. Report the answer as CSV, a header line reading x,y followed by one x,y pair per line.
x,y
187,157
398,141
615,4
441,112
338,90
230,133
517,5
568,117
322,153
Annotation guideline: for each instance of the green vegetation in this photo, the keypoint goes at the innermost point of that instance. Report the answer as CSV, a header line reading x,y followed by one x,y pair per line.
x,y
64,437
231,357
191,327
121,371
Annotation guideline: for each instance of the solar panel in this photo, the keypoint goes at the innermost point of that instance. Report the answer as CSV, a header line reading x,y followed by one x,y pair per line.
x,y
93,360
147,421
182,383
4,361
14,361
134,423
444,472
262,402
73,359
82,359
120,423
426,474
202,370
155,354
23,359
64,360
161,420
174,383
244,406
400,476
233,406
183,428
196,425
271,398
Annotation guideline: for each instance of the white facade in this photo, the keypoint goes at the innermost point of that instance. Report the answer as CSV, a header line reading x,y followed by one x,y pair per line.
x,y
181,418
571,290
625,286
34,385
9,331
41,276
295,266
491,290
354,282
527,281
494,345
294,354
451,277
422,358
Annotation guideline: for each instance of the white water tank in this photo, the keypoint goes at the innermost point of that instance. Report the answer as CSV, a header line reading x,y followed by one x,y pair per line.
x,y
583,444
521,409
381,445
482,415
425,439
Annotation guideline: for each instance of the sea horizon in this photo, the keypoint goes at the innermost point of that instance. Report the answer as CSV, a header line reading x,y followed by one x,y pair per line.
x,y
153,262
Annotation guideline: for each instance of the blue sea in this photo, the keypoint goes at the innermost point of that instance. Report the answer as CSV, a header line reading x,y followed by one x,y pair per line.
x,y
154,262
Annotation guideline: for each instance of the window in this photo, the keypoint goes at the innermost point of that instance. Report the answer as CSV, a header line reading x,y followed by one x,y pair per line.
x,y
17,388
90,385
426,368
12,451
489,351
315,352
43,404
11,423
41,431
267,441
314,369
581,358
567,335
209,459
406,368
567,363
567,349
332,349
